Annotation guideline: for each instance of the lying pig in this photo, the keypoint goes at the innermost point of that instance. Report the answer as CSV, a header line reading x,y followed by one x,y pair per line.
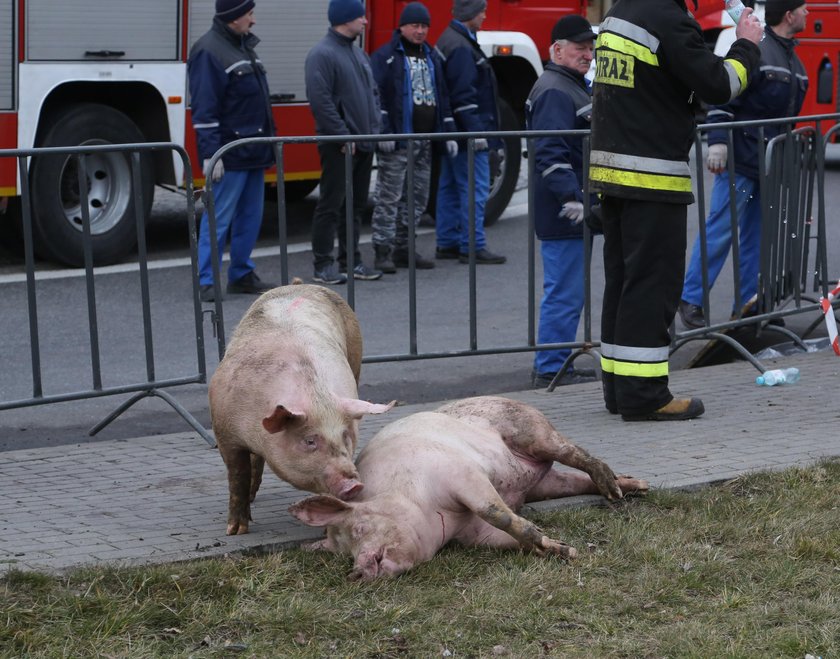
x,y
286,393
459,473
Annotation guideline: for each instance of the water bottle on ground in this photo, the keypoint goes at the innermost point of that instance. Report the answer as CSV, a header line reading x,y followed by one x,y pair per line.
x,y
778,376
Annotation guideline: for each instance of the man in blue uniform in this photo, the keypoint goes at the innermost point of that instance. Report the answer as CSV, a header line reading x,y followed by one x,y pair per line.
x,y
229,99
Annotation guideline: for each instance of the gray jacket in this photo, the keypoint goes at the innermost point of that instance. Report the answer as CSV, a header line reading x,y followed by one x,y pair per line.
x,y
341,89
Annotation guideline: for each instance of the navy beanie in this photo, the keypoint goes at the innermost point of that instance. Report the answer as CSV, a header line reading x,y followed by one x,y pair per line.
x,y
775,10
344,11
415,12
466,10
230,10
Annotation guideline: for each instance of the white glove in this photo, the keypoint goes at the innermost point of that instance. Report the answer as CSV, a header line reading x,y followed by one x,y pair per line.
x,y
451,148
218,170
481,144
716,162
573,210
388,146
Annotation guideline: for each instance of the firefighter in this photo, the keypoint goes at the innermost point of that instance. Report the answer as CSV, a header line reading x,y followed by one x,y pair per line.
x,y
230,100
651,63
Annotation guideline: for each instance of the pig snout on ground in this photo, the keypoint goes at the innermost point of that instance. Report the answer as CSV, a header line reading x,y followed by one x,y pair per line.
x,y
457,474
286,394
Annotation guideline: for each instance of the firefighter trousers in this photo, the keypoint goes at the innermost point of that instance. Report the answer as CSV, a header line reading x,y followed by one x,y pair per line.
x,y
644,264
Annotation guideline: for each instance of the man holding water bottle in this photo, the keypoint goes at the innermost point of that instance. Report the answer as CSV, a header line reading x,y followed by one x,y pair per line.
x,y
651,65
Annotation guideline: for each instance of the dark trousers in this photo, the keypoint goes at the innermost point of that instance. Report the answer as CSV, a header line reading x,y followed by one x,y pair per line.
x,y
330,211
644,264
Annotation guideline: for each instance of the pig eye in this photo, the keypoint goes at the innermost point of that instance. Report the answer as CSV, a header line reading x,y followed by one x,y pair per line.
x,y
310,443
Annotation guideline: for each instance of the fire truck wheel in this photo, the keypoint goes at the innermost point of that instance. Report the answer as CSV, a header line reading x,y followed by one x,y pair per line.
x,y
56,197
503,186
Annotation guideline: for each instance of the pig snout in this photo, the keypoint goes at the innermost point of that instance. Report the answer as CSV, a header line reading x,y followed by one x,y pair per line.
x,y
344,486
349,490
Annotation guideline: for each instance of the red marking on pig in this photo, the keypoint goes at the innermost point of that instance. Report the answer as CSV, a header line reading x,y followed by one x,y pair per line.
x,y
442,528
296,303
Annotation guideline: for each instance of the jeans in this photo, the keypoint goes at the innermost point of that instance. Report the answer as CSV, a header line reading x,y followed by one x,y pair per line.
x,y
238,203
719,239
452,214
562,301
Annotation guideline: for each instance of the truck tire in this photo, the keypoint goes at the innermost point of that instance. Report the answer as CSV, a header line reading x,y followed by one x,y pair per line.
x,y
503,186
56,208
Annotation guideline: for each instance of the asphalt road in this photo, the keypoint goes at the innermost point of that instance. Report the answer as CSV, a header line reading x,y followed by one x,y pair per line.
x,y
382,306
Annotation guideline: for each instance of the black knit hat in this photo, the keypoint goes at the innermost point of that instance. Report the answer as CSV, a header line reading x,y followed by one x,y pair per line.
x,y
774,10
340,12
572,28
230,10
415,12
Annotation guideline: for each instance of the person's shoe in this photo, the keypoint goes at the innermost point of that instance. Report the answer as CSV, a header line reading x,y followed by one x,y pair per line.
x,y
250,284
483,256
400,257
383,260
544,380
691,315
361,271
679,409
329,274
447,252
207,293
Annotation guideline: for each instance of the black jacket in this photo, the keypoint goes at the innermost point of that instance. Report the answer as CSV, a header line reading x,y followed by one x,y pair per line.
x,y
651,62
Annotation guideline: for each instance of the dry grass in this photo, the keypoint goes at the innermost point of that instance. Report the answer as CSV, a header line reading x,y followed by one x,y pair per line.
x,y
748,569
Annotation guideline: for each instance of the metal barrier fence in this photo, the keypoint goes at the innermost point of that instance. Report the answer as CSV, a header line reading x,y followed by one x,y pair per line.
x,y
141,386
795,170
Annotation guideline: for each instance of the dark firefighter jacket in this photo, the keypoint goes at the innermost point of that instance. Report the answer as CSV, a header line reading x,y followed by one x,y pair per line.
x,y
651,61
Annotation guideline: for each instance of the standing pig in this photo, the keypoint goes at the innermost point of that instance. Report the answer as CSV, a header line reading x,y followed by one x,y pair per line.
x,y
286,393
458,473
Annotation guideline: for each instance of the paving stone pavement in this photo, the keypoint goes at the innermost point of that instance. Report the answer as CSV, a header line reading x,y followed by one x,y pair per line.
x,y
164,498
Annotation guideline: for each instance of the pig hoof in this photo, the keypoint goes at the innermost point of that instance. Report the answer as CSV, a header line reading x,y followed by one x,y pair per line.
x,y
630,485
558,548
237,528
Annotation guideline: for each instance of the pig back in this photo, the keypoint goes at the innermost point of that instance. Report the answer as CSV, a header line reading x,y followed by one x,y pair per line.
x,y
304,315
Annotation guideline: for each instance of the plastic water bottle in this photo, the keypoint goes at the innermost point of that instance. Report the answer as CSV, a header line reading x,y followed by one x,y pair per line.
x,y
778,376
735,8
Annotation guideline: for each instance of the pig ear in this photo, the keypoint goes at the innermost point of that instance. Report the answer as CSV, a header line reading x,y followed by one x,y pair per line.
x,y
277,420
358,408
321,510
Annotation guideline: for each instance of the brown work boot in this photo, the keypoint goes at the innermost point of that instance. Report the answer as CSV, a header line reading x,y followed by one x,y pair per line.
x,y
679,409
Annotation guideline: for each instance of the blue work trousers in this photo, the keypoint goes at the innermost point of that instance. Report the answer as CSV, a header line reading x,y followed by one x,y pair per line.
x,y
238,202
719,239
562,301
452,218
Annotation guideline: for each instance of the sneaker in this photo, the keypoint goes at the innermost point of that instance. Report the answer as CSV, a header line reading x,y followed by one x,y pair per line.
x,y
679,409
207,293
447,252
382,259
361,271
329,274
691,315
400,257
544,380
250,284
484,256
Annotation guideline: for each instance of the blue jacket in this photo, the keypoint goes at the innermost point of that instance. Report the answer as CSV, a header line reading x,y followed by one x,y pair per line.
x,y
776,89
392,75
229,97
560,100
470,80
342,93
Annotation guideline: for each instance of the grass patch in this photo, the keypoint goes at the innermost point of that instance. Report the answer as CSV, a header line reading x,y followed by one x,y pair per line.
x,y
751,568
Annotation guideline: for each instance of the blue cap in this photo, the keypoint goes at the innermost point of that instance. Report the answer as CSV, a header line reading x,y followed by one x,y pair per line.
x,y
344,11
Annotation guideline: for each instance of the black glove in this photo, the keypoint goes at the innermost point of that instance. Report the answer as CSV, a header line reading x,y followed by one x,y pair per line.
x,y
595,220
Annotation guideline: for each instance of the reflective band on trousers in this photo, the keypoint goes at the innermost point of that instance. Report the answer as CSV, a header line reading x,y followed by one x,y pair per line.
x,y
634,362
640,180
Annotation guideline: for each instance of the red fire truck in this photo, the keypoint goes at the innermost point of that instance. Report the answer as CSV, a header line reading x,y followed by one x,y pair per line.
x,y
92,72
